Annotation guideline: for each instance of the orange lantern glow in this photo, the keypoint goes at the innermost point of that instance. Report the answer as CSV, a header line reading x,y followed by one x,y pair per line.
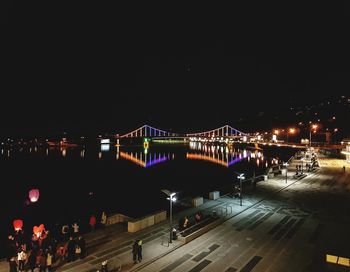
x,y
17,224
34,195
38,230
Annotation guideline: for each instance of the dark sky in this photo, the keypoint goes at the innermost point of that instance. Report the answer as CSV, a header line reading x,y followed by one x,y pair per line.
x,y
99,67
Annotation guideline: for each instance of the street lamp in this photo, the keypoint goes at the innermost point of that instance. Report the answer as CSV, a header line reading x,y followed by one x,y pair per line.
x,y
171,197
286,165
241,178
290,131
314,127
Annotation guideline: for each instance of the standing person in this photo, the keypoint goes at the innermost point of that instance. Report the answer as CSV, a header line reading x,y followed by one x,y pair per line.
x,y
92,222
139,251
32,261
49,260
75,227
41,261
21,257
104,266
82,245
71,250
13,264
103,219
344,168
135,248
11,253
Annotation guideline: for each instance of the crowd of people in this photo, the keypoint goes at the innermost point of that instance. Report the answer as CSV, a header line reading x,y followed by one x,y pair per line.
x,y
43,251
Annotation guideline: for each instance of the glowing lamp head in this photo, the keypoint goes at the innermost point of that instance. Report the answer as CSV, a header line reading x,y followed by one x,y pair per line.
x,y
34,195
17,224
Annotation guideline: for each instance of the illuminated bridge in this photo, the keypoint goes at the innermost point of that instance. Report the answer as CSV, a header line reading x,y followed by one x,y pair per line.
x,y
223,133
150,132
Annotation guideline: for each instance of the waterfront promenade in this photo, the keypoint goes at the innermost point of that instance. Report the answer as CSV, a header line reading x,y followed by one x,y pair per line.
x,y
280,227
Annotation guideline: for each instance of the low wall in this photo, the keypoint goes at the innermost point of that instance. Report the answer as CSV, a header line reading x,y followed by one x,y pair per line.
x,y
116,218
138,224
214,195
197,201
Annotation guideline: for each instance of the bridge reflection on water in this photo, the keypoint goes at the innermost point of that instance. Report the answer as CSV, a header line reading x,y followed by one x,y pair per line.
x,y
223,155
146,157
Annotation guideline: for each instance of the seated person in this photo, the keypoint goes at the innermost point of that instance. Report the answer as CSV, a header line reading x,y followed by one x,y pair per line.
x,y
186,223
198,216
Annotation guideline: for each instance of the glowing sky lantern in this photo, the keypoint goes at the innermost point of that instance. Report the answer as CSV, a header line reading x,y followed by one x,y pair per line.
x,y
34,195
17,224
38,230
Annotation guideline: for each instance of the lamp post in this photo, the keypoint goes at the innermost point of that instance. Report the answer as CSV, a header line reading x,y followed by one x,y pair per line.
x,y
314,127
241,178
171,199
286,165
290,131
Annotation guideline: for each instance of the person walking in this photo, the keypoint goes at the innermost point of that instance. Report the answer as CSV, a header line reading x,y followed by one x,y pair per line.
x,y
135,248
139,250
344,168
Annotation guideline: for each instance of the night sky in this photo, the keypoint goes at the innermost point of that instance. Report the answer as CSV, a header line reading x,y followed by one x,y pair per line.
x,y
100,68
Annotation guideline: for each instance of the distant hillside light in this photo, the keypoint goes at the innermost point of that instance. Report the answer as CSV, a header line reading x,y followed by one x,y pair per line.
x,y
34,195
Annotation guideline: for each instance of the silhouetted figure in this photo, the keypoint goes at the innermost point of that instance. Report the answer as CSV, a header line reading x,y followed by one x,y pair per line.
x,y
32,260
11,253
135,248
82,244
75,227
139,251
71,250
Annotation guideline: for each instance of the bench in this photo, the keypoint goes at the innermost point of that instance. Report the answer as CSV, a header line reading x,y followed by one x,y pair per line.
x,y
209,222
